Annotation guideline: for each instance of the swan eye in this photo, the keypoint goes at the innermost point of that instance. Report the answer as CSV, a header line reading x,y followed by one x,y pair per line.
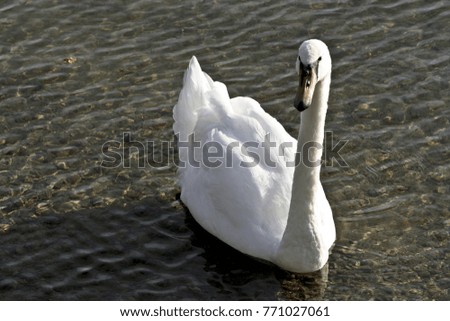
x,y
320,58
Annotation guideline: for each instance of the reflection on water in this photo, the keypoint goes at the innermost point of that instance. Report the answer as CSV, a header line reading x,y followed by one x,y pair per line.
x,y
77,75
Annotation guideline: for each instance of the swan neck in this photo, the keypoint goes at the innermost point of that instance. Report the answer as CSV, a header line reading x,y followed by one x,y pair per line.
x,y
303,247
311,133
306,183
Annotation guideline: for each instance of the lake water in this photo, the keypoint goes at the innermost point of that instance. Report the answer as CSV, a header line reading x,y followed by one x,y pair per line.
x,y
79,75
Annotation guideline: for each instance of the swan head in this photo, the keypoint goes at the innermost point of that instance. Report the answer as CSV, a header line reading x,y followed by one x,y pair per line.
x,y
313,65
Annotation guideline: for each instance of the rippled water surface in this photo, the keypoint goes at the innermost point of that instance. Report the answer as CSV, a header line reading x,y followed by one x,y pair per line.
x,y
76,75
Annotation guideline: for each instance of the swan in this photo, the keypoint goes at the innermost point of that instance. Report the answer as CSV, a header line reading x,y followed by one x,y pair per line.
x,y
245,179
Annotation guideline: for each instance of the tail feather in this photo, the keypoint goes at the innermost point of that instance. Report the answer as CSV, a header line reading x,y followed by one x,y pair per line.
x,y
192,97
202,106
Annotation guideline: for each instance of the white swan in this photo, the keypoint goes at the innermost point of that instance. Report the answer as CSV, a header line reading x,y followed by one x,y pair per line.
x,y
236,168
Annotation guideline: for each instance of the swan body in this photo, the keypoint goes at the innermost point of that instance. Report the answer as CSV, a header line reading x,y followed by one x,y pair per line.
x,y
238,172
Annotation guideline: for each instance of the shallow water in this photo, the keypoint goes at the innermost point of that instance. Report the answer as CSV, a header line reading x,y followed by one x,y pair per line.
x,y
78,75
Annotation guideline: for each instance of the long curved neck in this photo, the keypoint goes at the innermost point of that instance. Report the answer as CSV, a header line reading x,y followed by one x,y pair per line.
x,y
311,135
306,183
301,241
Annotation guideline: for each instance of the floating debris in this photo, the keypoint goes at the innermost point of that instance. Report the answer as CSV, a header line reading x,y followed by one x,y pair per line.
x,y
70,60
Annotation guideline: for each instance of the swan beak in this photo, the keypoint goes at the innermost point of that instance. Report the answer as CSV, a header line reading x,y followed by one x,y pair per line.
x,y
307,84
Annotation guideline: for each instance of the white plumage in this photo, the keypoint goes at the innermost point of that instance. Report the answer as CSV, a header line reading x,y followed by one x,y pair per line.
x,y
228,179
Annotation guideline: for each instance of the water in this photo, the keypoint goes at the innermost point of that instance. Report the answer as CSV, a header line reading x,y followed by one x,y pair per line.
x,y
77,75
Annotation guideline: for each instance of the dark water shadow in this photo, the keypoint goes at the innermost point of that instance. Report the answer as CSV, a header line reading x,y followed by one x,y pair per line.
x,y
129,253
146,251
